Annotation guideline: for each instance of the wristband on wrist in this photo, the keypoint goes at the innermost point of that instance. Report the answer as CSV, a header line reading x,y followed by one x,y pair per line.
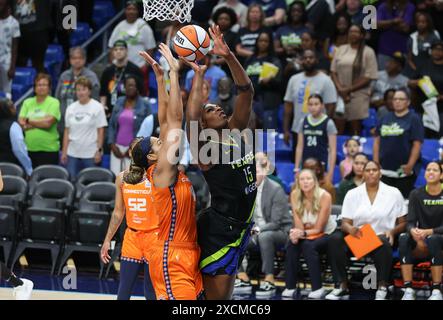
x,y
244,88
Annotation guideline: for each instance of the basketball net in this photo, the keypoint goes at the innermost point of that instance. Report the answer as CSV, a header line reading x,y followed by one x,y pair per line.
x,y
168,10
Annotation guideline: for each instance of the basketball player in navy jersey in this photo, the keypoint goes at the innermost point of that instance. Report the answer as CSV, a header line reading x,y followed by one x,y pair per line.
x,y
22,287
225,227
317,137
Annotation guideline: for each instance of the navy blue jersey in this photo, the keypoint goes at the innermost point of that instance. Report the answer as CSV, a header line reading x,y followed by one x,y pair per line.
x,y
315,140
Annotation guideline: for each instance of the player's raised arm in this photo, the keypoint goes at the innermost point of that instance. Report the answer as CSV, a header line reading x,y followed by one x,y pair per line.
x,y
166,171
163,96
245,90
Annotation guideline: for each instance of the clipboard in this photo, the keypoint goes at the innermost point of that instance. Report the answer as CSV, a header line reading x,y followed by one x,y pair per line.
x,y
366,244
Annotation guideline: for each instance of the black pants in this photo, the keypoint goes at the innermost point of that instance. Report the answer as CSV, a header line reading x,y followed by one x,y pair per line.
x,y
434,243
42,158
405,185
311,250
338,253
33,45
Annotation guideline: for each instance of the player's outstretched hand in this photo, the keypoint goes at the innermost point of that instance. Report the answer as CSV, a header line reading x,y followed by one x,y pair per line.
x,y
154,64
198,69
166,52
220,47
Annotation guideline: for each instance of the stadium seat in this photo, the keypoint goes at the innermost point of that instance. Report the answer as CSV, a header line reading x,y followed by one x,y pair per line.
x,y
2,94
81,34
429,151
54,54
88,225
337,177
91,175
367,144
153,102
421,181
103,11
281,115
340,143
11,203
285,171
46,172
369,123
18,90
24,76
45,220
11,169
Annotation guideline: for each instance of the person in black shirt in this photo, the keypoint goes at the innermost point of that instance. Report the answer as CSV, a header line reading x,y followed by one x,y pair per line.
x,y
225,227
112,81
424,236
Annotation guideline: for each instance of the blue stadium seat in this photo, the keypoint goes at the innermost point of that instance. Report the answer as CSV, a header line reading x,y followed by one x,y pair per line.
x,y
2,95
18,90
369,123
103,11
81,34
429,151
337,177
54,54
421,181
154,105
340,142
281,114
24,76
285,171
367,146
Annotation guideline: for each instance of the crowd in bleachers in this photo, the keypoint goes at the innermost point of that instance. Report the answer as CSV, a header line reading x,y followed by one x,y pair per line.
x,y
337,95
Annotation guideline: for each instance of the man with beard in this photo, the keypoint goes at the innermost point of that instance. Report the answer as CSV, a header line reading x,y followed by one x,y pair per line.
x,y
300,87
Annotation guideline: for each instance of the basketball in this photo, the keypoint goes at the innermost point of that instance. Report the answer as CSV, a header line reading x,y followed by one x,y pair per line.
x,y
192,42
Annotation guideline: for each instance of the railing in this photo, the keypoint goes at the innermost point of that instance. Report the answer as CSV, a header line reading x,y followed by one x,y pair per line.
x,y
104,31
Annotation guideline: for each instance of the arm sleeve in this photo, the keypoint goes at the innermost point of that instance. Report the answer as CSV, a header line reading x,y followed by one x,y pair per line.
x,y
331,128
19,147
101,121
370,64
289,90
330,93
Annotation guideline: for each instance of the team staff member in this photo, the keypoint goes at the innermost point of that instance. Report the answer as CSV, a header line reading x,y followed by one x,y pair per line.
x,y
424,231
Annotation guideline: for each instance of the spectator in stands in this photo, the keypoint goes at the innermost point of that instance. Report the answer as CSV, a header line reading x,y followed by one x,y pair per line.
x,y
397,145
390,78
388,104
272,224
353,179
267,96
351,147
84,130
288,37
352,69
225,18
339,35
354,10
394,21
240,10
136,32
65,91
433,68
319,18
317,137
35,20
301,86
38,117
275,11
10,31
12,142
202,12
126,119
213,74
247,36
424,232
225,98
420,41
313,223
111,82
309,41
316,166
382,207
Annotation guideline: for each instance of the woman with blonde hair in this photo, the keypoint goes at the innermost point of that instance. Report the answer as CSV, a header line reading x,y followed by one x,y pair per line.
x,y
311,210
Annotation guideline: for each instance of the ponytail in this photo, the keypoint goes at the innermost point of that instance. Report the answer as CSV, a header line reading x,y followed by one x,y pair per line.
x,y
134,174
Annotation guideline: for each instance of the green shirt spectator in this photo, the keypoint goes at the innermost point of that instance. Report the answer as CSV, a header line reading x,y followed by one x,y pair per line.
x,y
38,117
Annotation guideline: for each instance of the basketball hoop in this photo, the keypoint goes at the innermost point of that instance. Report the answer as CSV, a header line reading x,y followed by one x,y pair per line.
x,y
168,10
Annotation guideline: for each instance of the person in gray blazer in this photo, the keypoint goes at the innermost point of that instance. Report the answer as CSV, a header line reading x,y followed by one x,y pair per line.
x,y
272,224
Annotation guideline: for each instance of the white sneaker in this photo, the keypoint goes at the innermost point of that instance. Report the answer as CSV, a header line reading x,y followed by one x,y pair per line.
x,y
338,294
24,291
288,293
436,295
381,294
317,294
409,294
266,290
